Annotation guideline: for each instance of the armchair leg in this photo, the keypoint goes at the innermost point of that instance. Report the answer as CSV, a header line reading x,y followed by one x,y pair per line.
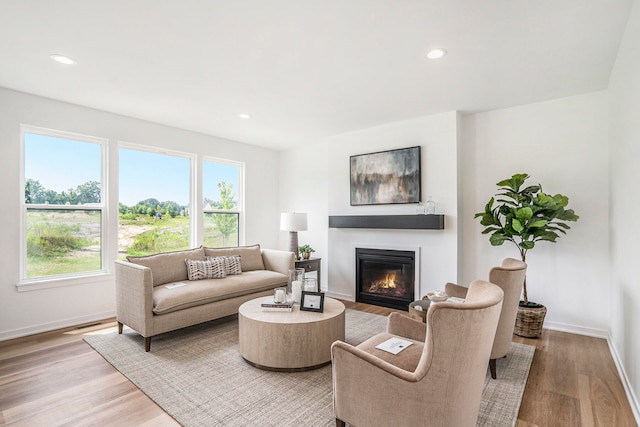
x,y
147,344
120,327
492,367
340,423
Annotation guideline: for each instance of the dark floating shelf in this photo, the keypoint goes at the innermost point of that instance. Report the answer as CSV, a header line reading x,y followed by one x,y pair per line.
x,y
404,222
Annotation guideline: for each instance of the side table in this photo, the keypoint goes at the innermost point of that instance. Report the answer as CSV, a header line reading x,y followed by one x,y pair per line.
x,y
310,264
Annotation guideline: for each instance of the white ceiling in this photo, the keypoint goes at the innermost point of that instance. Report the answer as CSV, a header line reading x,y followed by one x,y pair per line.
x,y
303,69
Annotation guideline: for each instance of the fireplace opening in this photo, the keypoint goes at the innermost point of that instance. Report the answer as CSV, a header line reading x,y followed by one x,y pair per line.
x,y
385,277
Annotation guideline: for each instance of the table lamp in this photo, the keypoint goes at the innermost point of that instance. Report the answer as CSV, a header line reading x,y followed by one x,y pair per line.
x,y
293,222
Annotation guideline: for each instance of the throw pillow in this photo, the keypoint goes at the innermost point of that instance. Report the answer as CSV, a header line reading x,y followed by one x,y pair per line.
x,y
232,264
209,269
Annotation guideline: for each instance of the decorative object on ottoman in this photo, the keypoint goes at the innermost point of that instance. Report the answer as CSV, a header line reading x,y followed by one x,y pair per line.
x,y
294,286
418,309
437,296
525,216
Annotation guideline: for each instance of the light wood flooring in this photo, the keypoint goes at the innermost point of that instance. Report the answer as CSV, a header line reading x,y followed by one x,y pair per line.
x,y
56,379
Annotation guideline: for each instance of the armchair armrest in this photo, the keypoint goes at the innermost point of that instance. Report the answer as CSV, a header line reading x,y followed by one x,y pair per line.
x,y
278,261
134,297
404,326
351,360
454,290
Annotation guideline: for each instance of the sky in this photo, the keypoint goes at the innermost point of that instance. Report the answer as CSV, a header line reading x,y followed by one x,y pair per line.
x,y
142,175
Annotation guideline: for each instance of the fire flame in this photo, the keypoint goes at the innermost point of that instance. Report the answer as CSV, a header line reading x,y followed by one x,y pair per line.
x,y
388,282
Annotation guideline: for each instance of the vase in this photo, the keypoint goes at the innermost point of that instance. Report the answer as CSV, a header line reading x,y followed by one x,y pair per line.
x,y
430,206
294,284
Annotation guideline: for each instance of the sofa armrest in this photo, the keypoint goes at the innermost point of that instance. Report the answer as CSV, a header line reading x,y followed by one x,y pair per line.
x,y
278,261
134,297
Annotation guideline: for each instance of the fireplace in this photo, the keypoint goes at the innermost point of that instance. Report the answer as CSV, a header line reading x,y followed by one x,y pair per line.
x,y
385,277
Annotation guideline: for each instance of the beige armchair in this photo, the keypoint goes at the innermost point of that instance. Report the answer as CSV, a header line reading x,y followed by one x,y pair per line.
x,y
510,278
436,381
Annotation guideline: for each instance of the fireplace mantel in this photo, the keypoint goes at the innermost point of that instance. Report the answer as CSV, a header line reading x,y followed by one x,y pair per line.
x,y
402,222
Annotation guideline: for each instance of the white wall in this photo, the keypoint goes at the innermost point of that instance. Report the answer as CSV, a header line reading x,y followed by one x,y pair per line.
x,y
437,135
33,311
561,144
303,188
624,134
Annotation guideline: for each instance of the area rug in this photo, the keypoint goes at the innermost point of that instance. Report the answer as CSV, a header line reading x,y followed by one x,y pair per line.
x,y
198,377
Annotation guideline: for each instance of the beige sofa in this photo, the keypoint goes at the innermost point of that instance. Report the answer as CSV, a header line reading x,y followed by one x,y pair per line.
x,y
154,294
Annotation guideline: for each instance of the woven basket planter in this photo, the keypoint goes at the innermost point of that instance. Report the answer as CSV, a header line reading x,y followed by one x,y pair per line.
x,y
529,321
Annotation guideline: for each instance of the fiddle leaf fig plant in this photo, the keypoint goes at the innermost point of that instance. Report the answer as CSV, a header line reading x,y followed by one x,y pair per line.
x,y
525,216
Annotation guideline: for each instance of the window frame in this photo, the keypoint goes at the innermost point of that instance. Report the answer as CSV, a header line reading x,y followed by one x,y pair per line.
x,y
108,206
25,283
240,193
194,221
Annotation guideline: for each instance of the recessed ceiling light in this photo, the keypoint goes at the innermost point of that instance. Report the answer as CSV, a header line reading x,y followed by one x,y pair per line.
x,y
63,59
436,53
244,116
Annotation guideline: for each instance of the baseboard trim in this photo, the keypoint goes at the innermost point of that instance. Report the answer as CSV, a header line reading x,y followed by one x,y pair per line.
x,y
580,330
631,396
48,327
346,297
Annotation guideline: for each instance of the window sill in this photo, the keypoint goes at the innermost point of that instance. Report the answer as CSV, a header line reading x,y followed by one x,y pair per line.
x,y
47,283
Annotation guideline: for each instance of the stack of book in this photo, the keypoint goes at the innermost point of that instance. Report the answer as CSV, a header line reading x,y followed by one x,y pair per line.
x,y
270,305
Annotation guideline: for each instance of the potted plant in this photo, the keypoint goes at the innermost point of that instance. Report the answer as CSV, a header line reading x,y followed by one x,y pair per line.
x,y
525,216
306,251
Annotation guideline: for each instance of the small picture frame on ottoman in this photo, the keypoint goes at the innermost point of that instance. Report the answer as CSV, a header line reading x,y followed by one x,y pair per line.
x,y
312,301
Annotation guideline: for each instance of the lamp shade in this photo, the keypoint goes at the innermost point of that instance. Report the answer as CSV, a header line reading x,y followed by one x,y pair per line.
x,y
293,221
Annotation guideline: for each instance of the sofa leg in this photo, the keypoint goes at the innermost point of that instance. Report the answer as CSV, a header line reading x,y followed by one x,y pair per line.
x,y
492,367
147,344
120,327
340,423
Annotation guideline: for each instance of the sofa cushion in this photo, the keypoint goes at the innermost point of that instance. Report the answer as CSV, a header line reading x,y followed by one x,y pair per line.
x,y
211,268
232,264
168,267
167,299
250,256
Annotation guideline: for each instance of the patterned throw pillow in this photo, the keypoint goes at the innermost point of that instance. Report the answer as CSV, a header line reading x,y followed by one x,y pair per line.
x,y
209,269
232,264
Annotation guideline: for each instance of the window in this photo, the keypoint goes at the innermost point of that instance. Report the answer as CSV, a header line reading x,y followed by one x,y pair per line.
x,y
221,183
64,204
154,201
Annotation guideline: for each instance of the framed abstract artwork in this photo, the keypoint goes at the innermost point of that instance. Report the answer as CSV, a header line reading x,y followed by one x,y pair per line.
x,y
386,177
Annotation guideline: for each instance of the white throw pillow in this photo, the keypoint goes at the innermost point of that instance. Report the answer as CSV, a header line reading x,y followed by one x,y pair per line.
x,y
232,264
209,269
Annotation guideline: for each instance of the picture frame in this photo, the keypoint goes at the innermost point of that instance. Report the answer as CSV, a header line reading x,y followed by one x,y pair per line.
x,y
386,177
312,301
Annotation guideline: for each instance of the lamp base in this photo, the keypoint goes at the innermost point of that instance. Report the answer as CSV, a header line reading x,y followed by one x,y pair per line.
x,y
293,243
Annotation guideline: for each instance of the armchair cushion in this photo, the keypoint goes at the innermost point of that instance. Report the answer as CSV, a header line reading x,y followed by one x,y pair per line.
x,y
407,359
